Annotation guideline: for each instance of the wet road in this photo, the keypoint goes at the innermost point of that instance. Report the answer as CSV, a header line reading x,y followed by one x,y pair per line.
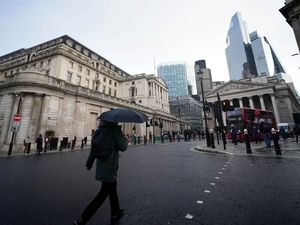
x,y
158,184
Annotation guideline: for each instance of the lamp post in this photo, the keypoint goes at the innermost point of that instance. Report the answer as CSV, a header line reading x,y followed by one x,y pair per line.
x,y
204,111
179,116
13,134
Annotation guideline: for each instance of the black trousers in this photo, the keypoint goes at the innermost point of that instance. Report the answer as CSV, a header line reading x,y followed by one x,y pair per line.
x,y
107,189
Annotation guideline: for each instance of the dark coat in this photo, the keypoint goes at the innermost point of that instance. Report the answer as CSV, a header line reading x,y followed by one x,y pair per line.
x,y
106,170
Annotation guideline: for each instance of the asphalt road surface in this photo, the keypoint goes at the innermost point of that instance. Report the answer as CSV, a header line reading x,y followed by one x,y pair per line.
x,y
158,184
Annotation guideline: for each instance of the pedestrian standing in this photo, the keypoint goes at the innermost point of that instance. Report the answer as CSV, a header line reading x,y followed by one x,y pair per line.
x,y
233,133
283,133
106,173
26,144
265,130
39,144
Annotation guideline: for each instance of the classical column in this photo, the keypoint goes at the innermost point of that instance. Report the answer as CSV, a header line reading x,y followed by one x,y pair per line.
x,y
251,102
262,103
241,102
275,109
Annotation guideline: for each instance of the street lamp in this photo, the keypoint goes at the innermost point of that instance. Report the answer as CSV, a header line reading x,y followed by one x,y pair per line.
x,y
20,95
179,115
198,71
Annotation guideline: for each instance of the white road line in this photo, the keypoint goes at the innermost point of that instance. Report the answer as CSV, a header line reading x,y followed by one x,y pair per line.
x,y
207,191
189,216
217,178
199,202
220,172
213,184
223,168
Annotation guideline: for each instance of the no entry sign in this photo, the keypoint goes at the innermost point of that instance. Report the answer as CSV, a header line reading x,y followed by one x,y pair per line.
x,y
17,117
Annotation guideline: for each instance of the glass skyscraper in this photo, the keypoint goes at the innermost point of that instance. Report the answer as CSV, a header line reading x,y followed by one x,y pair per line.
x,y
249,55
266,61
239,55
175,75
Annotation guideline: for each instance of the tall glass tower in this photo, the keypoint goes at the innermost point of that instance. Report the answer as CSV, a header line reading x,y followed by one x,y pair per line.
x,y
175,75
239,55
266,60
250,55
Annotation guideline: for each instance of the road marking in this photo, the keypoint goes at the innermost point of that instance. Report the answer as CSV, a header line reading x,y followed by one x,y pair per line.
x,y
213,184
220,172
217,178
223,168
189,216
199,202
225,165
207,191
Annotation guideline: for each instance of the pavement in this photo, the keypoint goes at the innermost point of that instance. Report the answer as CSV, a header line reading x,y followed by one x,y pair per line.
x,y
289,148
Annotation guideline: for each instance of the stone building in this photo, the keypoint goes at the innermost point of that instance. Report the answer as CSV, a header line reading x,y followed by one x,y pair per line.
x,y
291,12
266,93
60,87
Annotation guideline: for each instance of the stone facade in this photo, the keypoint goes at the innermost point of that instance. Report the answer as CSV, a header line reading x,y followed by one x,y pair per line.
x,y
60,87
266,93
291,11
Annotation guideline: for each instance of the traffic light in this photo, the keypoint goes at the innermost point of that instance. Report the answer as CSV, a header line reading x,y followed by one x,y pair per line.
x,y
225,105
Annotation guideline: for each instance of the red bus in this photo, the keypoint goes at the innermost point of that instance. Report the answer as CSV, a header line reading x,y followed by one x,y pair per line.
x,y
247,118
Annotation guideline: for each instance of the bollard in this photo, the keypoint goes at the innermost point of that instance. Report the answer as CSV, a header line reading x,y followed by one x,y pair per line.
x,y
247,141
162,138
145,139
212,141
178,137
275,137
61,145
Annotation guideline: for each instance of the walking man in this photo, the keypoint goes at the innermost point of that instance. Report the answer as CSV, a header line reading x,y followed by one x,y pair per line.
x,y
106,171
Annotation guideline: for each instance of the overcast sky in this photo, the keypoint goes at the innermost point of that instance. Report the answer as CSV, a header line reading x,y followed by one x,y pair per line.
x,y
131,33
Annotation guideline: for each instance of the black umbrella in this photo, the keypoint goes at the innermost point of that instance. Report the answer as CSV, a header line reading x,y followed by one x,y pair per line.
x,y
123,115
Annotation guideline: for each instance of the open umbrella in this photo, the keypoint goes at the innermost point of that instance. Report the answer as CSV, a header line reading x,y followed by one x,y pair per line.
x,y
123,115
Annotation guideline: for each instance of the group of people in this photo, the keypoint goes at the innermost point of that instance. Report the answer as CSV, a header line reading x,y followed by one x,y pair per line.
x,y
263,131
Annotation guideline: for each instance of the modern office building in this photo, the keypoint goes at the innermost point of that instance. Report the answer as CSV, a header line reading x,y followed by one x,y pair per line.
x,y
250,55
204,74
291,11
175,75
239,55
187,108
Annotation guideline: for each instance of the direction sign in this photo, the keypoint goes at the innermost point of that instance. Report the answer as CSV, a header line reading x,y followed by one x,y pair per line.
x,y
17,117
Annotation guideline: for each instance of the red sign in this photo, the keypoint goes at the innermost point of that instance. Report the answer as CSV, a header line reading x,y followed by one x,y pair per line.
x,y
17,117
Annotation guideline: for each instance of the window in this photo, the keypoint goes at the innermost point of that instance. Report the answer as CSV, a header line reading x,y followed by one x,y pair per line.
x,y
87,83
104,79
78,81
97,76
79,68
88,72
109,91
70,65
140,101
115,84
49,62
42,63
132,82
115,93
69,77
104,89
110,81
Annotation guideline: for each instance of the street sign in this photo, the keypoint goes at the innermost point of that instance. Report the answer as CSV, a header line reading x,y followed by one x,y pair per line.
x,y
16,122
17,117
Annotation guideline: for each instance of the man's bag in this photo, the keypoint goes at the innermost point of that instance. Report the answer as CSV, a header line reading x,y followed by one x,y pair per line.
x,y
102,143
